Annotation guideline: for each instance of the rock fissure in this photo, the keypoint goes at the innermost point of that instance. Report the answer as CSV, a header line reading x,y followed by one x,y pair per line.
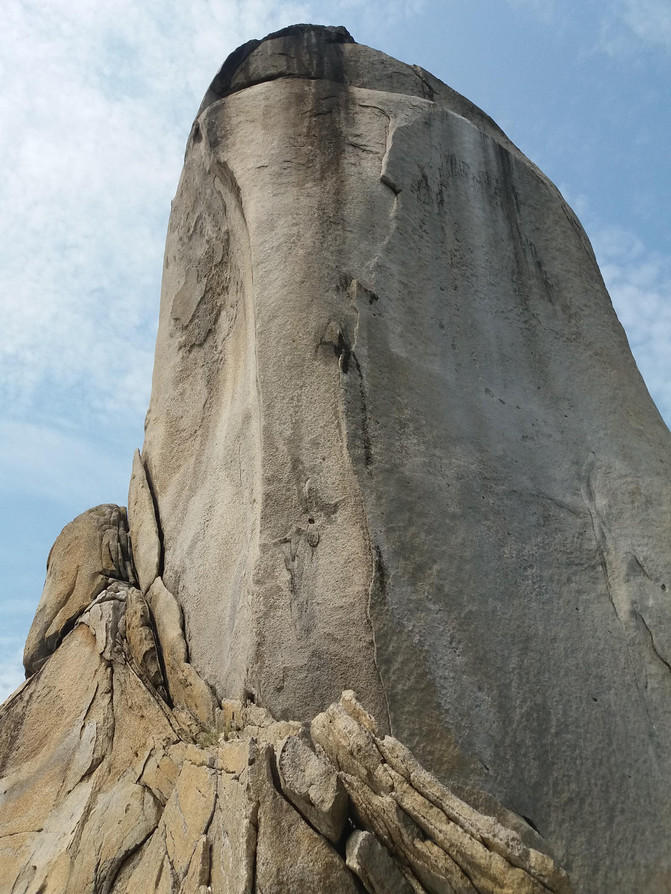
x,y
126,859
377,582
421,74
663,660
599,530
600,535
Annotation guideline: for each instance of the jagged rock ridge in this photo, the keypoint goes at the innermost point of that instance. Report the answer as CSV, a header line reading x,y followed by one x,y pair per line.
x,y
397,444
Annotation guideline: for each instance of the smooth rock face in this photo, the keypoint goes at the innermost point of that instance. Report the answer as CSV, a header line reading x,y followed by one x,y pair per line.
x,y
398,443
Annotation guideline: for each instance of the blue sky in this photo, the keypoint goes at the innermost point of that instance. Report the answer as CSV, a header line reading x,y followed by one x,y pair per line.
x,y
96,105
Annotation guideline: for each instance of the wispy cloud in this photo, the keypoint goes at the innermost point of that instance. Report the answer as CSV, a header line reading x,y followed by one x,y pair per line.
x,y
38,460
94,112
648,20
617,26
630,26
639,282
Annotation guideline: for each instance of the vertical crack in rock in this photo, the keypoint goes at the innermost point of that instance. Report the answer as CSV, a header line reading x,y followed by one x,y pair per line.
x,y
621,612
389,136
663,660
424,78
599,535
377,591
144,525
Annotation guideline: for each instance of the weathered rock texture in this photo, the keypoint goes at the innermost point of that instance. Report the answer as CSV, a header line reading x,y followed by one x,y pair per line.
x,y
397,444
121,774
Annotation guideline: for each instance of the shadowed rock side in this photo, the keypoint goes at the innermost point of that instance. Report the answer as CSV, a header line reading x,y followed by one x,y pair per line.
x,y
120,773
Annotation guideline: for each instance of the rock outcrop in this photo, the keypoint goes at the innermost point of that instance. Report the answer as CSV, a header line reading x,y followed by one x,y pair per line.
x,y
397,444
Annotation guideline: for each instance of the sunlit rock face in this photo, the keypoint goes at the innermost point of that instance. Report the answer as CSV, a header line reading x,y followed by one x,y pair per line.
x,y
397,443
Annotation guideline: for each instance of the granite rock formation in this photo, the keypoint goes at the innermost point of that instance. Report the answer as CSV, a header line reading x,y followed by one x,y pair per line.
x,y
397,444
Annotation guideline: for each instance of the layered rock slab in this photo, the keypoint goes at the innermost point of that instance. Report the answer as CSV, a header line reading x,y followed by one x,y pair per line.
x,y
397,442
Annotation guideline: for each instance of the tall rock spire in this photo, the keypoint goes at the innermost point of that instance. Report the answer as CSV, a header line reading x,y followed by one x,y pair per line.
x,y
396,444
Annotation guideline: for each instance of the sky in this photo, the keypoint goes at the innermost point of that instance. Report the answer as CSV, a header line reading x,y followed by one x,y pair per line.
x,y
96,105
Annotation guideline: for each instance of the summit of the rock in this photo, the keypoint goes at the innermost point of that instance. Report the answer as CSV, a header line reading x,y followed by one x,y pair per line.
x,y
330,53
307,49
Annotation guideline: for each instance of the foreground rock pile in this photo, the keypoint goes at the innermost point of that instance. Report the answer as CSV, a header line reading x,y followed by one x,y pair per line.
x,y
121,772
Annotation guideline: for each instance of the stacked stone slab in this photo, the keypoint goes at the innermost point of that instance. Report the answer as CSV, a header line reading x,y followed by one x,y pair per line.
x,y
397,444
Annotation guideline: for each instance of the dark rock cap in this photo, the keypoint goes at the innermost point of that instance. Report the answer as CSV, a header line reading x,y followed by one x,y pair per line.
x,y
317,41
329,52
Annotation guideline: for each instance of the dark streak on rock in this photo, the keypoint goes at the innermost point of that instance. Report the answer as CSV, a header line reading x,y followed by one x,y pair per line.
x,y
108,884
380,571
164,692
367,446
343,352
394,187
533,825
157,517
666,664
427,89
325,36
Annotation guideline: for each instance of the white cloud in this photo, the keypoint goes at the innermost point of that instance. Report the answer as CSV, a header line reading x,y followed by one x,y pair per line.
x,y
95,109
649,20
629,26
623,26
38,460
